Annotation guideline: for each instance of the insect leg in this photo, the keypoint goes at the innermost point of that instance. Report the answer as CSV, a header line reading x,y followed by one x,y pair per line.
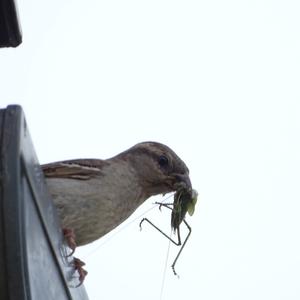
x,y
167,205
158,229
176,258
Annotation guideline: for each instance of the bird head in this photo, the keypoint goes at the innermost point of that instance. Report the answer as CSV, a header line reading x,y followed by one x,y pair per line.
x,y
159,168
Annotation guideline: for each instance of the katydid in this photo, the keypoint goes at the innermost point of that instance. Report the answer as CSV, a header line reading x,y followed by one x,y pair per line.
x,y
184,201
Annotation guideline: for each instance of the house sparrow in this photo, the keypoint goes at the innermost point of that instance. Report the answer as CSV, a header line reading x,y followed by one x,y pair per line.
x,y
94,196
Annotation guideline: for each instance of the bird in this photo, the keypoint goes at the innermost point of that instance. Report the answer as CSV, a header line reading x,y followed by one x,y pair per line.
x,y
94,196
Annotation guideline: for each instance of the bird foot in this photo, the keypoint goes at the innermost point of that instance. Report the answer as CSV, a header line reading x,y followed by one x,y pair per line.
x,y
78,265
70,239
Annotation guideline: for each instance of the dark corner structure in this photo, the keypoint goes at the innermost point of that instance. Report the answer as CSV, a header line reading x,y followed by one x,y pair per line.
x,y
10,32
33,259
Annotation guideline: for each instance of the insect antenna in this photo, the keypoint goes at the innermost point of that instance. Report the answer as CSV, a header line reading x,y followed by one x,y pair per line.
x,y
165,270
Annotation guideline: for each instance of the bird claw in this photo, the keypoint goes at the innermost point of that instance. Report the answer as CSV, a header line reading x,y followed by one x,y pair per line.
x,y
78,265
70,239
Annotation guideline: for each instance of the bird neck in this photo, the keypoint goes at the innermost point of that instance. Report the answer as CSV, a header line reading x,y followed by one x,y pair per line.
x,y
122,177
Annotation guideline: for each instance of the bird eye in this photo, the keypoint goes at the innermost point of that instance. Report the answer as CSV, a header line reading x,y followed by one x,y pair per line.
x,y
163,161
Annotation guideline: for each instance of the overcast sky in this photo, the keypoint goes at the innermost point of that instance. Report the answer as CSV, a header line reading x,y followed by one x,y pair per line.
x,y
218,82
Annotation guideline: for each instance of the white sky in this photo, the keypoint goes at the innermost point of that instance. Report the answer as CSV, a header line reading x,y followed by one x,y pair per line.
x,y
217,81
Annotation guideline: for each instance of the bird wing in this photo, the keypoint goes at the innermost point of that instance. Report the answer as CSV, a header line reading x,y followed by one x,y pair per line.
x,y
75,169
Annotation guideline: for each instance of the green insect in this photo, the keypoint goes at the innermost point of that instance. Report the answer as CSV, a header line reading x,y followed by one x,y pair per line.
x,y
184,201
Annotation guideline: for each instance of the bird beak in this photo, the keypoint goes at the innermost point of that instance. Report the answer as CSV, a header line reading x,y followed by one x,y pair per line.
x,y
183,181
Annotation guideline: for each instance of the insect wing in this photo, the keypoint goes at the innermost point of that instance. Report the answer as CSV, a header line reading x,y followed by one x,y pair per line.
x,y
191,209
192,204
